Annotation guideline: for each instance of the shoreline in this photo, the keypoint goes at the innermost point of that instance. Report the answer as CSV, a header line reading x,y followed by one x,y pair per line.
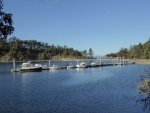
x,y
143,62
46,60
137,61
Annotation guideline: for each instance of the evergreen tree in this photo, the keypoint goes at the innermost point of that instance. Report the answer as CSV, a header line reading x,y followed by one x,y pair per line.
x,y
6,28
90,53
6,22
84,53
140,51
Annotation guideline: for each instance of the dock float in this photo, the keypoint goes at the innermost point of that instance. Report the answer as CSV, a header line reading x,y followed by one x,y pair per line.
x,y
15,70
65,67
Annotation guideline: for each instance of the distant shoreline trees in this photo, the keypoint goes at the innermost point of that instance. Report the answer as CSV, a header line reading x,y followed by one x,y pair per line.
x,y
35,50
89,54
140,51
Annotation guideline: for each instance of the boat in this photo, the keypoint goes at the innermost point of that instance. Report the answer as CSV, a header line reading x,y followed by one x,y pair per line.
x,y
38,65
44,67
95,64
70,66
55,67
81,65
29,67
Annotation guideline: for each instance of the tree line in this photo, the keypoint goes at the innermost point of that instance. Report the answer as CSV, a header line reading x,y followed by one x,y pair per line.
x,y
36,50
139,51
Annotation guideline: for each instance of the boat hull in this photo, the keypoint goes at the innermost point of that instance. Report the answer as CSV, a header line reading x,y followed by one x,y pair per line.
x,y
70,67
94,65
81,66
31,69
55,67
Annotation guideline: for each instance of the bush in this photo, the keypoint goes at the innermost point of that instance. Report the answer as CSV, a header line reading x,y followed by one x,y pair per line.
x,y
144,87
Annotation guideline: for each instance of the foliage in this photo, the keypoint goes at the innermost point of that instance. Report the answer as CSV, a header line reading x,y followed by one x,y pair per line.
x,y
140,51
85,54
6,22
144,88
34,50
90,53
6,28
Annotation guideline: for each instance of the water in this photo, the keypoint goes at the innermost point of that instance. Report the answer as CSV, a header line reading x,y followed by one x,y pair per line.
x,y
91,90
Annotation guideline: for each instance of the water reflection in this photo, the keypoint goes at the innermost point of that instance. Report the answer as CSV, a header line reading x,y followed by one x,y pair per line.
x,y
80,69
85,75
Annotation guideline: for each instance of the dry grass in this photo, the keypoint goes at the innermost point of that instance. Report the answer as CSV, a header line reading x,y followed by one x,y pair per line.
x,y
144,86
139,61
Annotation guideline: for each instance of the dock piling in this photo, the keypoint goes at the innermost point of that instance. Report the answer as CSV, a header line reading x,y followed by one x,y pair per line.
x,y
14,65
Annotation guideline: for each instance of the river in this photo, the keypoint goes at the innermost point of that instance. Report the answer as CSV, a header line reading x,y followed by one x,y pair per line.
x,y
108,89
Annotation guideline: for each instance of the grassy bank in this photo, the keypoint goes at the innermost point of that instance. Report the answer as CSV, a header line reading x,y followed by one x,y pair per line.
x,y
139,61
142,61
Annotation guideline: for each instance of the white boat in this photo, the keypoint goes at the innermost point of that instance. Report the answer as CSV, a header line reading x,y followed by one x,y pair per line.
x,y
71,66
81,65
44,67
95,64
38,65
29,67
55,67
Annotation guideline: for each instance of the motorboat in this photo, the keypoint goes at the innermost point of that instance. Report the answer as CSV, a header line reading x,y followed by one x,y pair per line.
x,y
38,65
29,67
70,66
55,67
81,65
44,67
95,64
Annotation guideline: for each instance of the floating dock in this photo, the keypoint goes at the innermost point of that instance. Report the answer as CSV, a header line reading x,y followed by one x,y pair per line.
x,y
100,64
15,70
65,67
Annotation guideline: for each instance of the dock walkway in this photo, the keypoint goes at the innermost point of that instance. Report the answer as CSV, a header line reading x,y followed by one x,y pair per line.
x,y
65,67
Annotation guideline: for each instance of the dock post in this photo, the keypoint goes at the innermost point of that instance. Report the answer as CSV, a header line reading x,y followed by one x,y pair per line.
x,y
14,65
49,63
123,61
112,61
100,61
77,62
120,60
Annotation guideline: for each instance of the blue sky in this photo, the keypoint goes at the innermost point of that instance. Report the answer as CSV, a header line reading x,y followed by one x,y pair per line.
x,y
103,25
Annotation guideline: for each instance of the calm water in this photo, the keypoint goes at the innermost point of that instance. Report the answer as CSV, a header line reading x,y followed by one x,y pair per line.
x,y
92,90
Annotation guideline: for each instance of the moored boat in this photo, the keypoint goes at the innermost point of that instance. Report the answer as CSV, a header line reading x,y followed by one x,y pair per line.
x,y
70,66
55,67
95,64
81,65
44,67
29,67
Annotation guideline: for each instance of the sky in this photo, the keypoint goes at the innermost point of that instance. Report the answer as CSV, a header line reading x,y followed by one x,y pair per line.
x,y
103,25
